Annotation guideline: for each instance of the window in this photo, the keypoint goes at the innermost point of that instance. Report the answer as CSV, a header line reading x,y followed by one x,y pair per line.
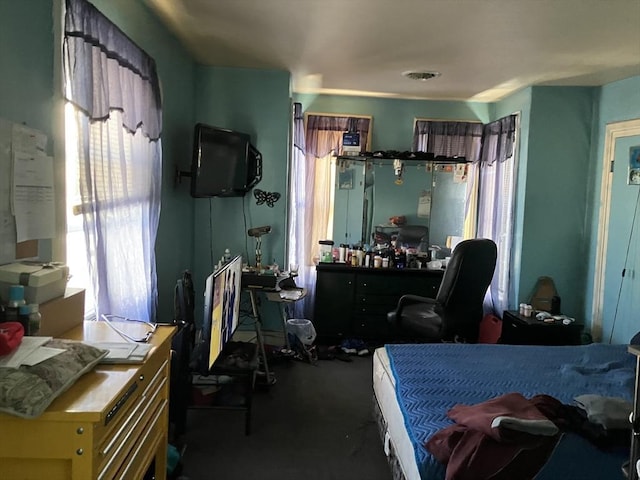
x,y
490,185
76,245
317,139
113,121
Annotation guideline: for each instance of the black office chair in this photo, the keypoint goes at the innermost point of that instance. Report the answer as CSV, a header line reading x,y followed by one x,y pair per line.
x,y
456,312
181,347
412,236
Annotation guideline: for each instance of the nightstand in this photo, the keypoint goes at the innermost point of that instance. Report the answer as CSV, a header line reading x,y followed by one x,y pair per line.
x,y
520,330
635,419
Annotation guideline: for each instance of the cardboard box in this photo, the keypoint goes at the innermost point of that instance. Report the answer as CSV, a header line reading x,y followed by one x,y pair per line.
x,y
63,313
42,281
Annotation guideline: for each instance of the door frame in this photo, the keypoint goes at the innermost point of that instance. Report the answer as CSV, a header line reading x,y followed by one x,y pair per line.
x,y
614,131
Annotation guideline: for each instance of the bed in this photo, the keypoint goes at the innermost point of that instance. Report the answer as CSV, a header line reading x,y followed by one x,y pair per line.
x,y
416,384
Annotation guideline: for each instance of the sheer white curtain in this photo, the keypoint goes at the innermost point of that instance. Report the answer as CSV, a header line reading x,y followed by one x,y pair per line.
x,y
490,186
298,204
496,178
112,87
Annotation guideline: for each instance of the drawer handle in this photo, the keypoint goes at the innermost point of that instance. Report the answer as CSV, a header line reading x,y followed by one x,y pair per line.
x,y
161,372
121,401
79,451
154,423
160,410
141,378
130,426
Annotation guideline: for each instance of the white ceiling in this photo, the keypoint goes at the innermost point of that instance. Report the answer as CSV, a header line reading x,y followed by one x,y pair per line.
x,y
484,49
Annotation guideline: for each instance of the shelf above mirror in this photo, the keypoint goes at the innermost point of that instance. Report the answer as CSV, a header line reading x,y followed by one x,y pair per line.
x,y
404,156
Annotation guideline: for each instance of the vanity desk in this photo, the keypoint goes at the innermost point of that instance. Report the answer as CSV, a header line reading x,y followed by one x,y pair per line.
x,y
353,302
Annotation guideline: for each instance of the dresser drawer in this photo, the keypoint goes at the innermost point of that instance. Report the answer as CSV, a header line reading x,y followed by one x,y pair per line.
x,y
145,397
378,304
111,423
147,441
393,286
371,326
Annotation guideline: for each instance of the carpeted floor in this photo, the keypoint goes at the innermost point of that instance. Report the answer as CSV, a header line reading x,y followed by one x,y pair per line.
x,y
315,423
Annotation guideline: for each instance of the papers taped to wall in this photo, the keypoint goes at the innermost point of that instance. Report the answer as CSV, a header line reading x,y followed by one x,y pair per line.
x,y
424,204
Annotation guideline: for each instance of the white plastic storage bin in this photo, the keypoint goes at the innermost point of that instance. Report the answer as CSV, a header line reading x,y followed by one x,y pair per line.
x,y
303,329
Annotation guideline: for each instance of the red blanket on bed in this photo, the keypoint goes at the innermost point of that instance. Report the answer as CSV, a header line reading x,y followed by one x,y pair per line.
x,y
475,448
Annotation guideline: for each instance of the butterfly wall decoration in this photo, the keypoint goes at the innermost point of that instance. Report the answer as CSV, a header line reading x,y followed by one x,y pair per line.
x,y
270,198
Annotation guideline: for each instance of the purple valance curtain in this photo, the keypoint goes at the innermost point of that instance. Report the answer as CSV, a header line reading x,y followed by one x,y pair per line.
x,y
447,138
320,146
107,71
497,140
113,88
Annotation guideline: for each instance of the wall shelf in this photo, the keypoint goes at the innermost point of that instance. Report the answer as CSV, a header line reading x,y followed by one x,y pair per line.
x,y
405,156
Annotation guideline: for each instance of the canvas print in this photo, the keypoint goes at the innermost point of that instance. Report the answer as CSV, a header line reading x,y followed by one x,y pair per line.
x,y
634,166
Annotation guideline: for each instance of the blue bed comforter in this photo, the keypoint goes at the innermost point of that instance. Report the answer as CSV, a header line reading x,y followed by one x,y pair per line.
x,y
432,378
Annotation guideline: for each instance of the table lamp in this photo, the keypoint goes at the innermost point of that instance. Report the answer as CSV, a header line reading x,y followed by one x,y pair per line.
x,y
257,233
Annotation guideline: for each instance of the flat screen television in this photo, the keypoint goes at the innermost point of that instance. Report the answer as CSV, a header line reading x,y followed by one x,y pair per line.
x,y
224,163
221,312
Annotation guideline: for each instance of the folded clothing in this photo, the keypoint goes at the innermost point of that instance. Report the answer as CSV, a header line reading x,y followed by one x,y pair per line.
x,y
498,439
610,412
503,417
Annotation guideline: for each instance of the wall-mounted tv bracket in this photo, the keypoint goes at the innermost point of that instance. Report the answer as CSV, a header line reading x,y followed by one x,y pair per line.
x,y
177,179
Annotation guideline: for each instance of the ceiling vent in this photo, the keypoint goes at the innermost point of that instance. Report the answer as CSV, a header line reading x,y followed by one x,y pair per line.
x,y
424,76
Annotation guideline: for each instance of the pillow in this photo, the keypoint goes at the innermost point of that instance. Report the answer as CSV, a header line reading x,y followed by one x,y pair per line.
x,y
27,391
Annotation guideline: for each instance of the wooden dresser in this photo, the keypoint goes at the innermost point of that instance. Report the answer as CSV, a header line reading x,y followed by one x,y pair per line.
x,y
354,301
112,423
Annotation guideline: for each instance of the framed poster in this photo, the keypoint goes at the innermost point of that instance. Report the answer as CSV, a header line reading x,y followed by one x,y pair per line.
x,y
634,166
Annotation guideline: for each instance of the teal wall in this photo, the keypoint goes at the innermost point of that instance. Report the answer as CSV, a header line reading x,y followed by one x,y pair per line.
x,y
618,101
26,78
256,102
26,61
559,156
558,178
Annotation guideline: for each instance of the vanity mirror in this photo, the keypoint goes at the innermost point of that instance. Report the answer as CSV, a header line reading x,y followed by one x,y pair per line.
x,y
422,195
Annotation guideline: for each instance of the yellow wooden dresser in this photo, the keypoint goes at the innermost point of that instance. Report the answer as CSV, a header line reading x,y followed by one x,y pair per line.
x,y
112,423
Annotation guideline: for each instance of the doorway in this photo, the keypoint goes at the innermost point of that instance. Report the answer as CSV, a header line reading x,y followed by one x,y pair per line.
x,y
612,292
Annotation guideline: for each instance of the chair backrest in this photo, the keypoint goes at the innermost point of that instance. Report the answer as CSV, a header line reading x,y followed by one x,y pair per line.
x,y
464,285
183,300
